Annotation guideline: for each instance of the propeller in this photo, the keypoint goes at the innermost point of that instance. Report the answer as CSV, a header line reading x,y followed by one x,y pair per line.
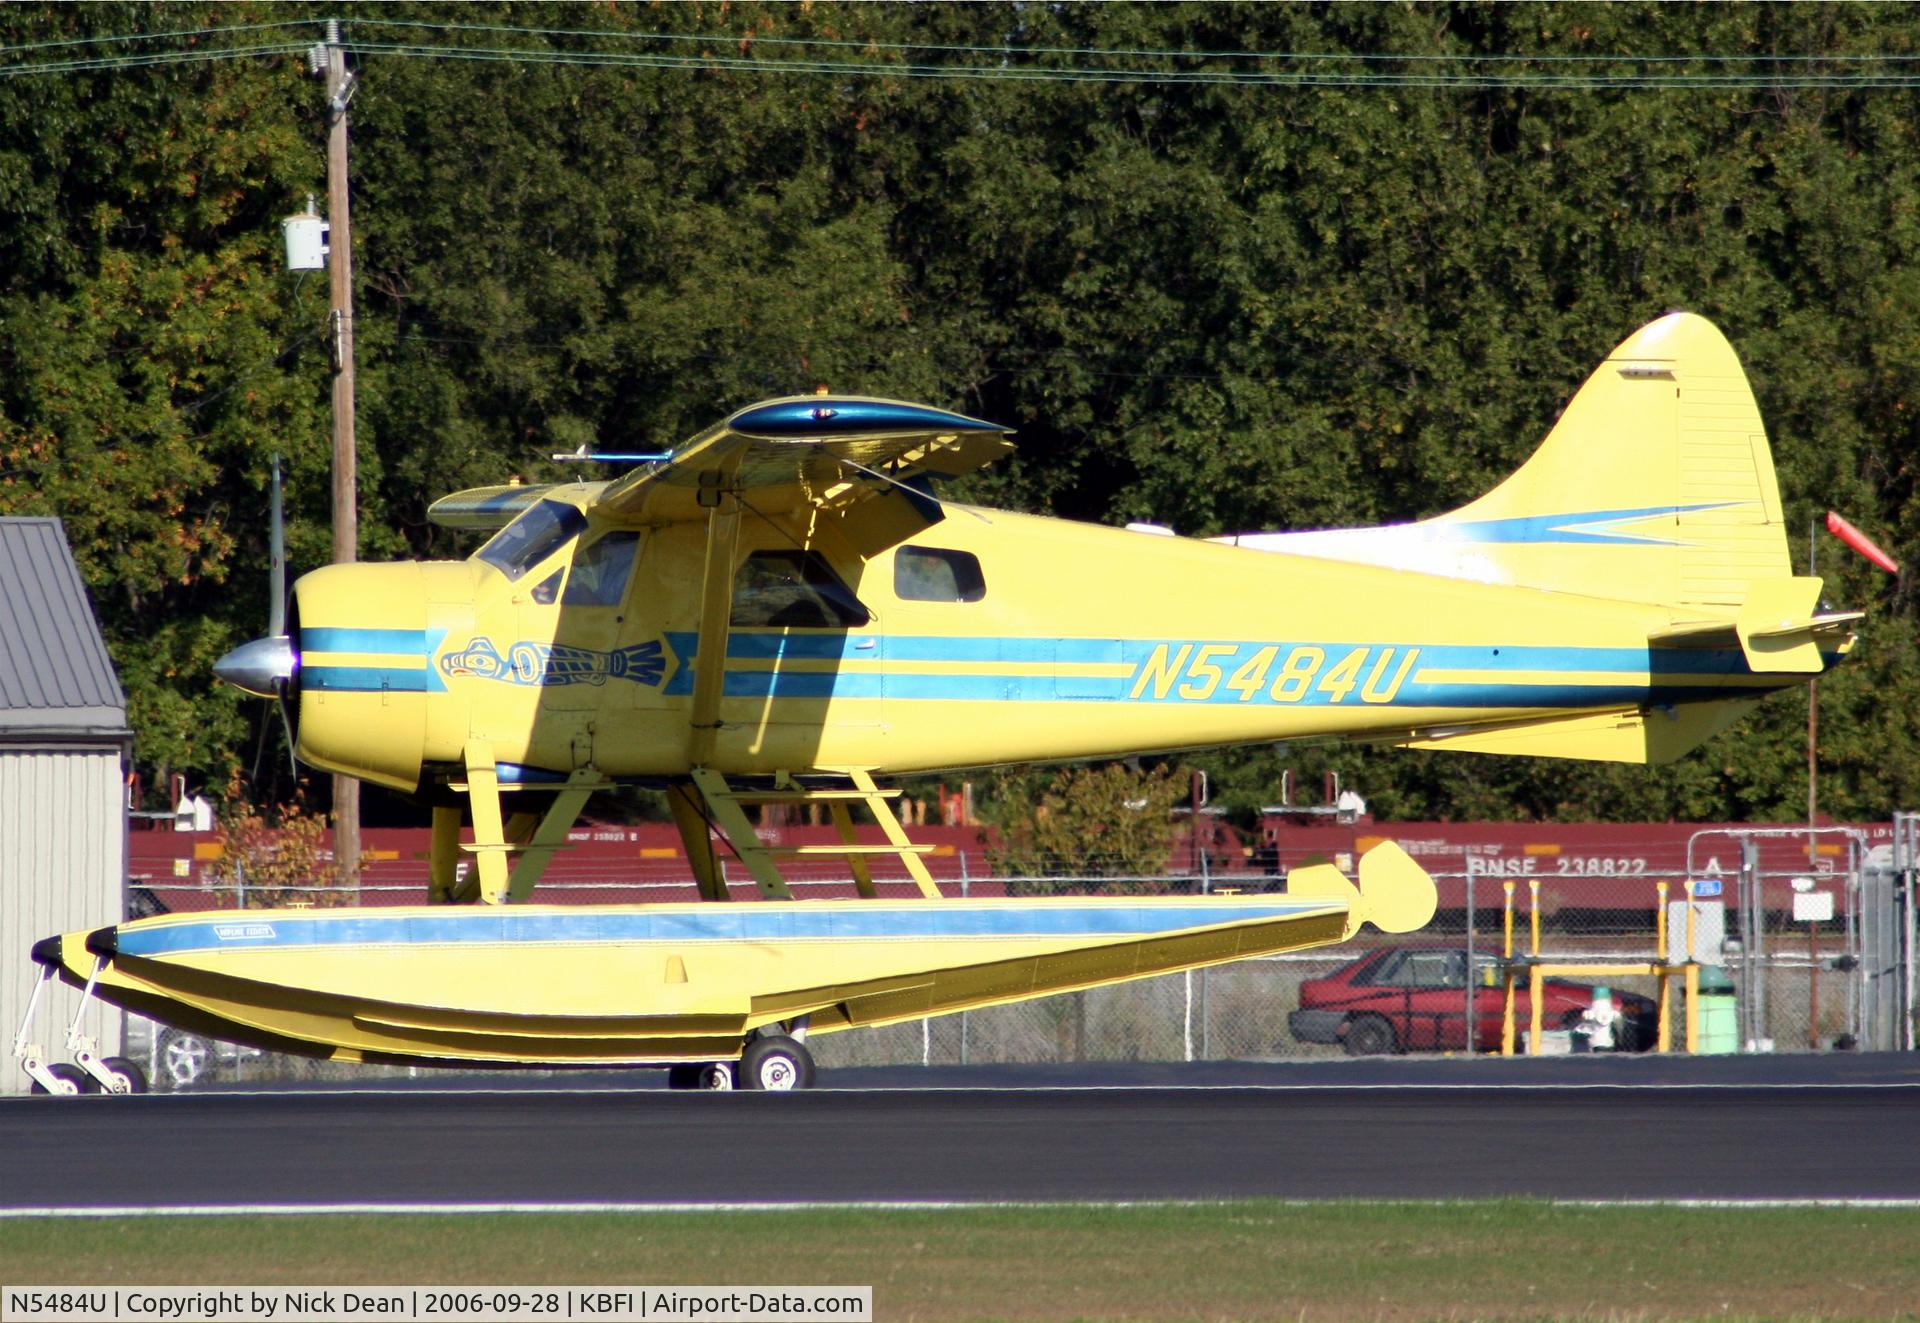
x,y
266,667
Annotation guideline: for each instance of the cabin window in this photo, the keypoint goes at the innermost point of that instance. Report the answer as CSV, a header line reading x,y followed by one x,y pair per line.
x,y
793,590
930,574
547,589
531,538
600,570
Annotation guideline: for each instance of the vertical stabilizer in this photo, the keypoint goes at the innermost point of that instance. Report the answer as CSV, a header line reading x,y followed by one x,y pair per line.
x,y
1656,484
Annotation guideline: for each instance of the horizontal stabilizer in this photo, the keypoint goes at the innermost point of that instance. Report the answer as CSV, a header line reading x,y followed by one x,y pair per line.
x,y
486,507
1778,629
1630,735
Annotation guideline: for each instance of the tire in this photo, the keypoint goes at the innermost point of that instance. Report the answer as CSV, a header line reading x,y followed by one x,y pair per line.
x,y
73,1075
684,1076
718,1077
182,1060
127,1070
776,1063
1370,1036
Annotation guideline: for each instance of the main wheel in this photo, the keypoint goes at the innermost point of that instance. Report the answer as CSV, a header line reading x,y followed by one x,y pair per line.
x,y
71,1079
775,1061
1369,1036
717,1077
182,1060
684,1076
129,1071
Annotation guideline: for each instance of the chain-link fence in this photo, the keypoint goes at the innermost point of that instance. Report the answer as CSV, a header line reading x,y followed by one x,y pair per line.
x,y
1779,914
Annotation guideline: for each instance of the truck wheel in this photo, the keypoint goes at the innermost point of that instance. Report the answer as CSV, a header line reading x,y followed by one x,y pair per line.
x,y
1370,1036
182,1060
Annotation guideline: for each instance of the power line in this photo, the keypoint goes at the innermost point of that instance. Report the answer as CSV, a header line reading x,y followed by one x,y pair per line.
x,y
1117,53
148,60
177,35
1316,78
986,73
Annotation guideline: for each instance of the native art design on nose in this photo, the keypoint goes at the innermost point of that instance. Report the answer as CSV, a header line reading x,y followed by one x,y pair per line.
x,y
553,664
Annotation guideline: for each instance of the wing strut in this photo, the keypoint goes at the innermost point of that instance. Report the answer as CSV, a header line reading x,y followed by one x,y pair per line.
x,y
716,603
534,838
725,806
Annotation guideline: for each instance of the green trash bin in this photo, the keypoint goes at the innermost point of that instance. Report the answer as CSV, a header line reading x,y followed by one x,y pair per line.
x,y
1719,1013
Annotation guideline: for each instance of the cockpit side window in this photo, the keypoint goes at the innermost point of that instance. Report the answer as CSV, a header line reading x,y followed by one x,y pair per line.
x,y
531,538
793,590
600,570
933,574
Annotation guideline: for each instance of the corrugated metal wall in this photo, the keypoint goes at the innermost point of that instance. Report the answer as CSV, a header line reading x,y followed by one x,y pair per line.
x,y
63,850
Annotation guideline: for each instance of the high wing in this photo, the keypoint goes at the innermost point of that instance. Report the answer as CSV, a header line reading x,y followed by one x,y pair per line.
x,y
825,450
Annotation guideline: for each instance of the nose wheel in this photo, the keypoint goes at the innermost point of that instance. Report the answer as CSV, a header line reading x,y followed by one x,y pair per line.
x,y
90,1072
62,1081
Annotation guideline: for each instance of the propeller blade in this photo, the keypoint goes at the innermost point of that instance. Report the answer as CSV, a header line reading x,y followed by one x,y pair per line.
x,y
277,608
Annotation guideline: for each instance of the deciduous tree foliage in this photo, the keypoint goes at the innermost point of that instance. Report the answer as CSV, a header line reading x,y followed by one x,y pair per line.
x,y
1218,306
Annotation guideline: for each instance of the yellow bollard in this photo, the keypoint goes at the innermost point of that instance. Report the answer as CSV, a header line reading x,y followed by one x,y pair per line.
x,y
1506,1015
1536,991
1664,1043
1533,900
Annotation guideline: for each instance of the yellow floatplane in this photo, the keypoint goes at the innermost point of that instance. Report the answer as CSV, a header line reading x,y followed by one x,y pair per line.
x,y
782,609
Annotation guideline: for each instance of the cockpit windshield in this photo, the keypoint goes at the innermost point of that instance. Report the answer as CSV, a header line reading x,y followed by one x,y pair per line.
x,y
531,538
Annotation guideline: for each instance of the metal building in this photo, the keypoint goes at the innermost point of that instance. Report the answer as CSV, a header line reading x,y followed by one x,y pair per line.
x,y
65,750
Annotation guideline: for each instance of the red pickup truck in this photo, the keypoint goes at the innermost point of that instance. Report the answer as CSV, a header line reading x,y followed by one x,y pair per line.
x,y
1414,999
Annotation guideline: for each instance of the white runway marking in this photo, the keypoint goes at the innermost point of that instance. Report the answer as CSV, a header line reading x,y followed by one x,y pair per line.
x,y
885,1206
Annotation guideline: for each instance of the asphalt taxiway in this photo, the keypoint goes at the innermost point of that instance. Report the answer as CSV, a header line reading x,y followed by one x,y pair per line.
x,y
1735,1129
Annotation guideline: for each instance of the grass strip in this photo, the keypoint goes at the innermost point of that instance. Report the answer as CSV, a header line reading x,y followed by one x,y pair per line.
x,y
1513,1259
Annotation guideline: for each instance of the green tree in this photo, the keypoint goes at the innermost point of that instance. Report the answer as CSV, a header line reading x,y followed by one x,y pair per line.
x,y
1106,820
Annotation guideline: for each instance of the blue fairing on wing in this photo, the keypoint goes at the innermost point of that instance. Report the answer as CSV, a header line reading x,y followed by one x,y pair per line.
x,y
746,923
829,416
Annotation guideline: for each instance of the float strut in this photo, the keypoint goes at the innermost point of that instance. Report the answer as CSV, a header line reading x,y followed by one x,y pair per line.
x,y
32,1058
85,1053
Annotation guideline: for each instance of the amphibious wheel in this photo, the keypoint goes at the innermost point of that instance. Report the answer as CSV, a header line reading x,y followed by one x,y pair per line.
x,y
71,1080
684,1076
1369,1036
776,1062
717,1077
136,1078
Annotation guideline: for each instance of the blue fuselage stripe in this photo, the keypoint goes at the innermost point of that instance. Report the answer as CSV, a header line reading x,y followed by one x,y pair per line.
x,y
856,665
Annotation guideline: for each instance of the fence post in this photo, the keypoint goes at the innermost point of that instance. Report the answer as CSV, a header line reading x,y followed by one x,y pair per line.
x,y
1472,1034
1188,1027
1206,985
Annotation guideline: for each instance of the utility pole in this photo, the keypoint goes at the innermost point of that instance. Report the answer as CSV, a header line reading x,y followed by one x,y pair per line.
x,y
329,60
